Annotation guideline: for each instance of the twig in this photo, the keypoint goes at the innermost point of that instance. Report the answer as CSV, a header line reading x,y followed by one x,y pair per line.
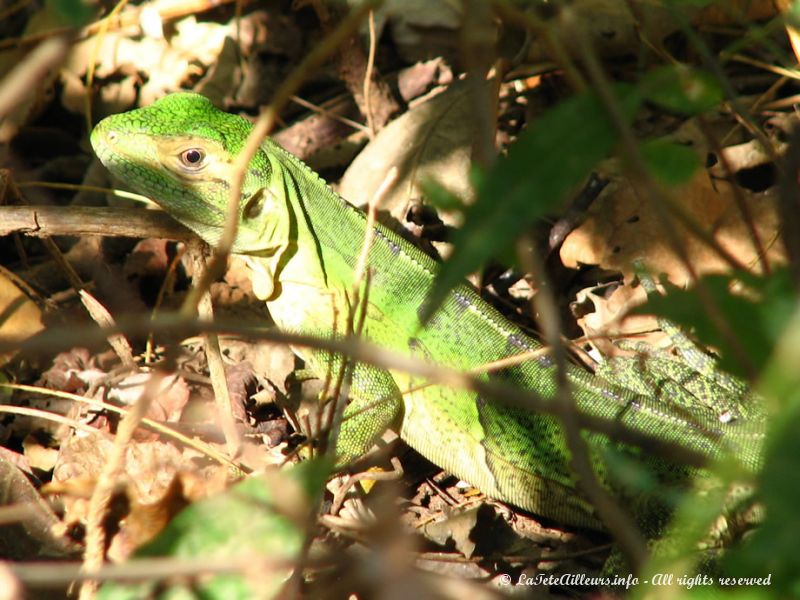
x,y
57,339
789,205
329,114
359,304
92,62
43,414
106,482
738,196
102,317
529,20
44,221
216,368
661,202
619,522
51,573
164,430
28,74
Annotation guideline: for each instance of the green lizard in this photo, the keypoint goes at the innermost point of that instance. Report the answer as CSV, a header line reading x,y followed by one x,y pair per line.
x,y
303,241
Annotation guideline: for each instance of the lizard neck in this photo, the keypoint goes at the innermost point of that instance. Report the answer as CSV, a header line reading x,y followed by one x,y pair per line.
x,y
305,281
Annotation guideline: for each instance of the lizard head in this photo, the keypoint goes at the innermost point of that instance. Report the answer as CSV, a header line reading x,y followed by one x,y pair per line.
x,y
180,151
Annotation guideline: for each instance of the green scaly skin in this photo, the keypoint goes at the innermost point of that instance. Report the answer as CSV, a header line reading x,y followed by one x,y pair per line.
x,y
303,241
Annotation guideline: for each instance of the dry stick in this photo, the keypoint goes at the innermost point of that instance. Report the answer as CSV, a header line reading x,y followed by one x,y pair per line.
x,y
662,203
216,368
106,482
82,187
783,71
48,416
260,130
477,47
789,205
156,426
95,51
102,317
43,221
359,304
130,18
96,310
329,114
762,102
617,520
50,573
167,283
56,339
28,74
13,8
714,67
368,76
531,21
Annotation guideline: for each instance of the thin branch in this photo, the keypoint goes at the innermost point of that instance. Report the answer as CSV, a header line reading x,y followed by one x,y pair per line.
x,y
368,76
94,553
44,221
618,521
156,426
63,338
216,368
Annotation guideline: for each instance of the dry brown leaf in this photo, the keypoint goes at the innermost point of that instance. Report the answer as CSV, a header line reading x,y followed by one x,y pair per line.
x,y
622,227
736,12
20,317
148,470
431,141
422,29
145,521
33,535
39,454
785,6
167,404
38,96
614,28
610,321
167,63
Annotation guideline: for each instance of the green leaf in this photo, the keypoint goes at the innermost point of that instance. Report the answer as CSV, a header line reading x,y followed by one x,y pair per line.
x,y
440,197
682,89
258,517
773,547
74,13
672,163
550,159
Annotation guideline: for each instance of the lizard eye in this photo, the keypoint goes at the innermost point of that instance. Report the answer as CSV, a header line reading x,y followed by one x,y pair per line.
x,y
192,158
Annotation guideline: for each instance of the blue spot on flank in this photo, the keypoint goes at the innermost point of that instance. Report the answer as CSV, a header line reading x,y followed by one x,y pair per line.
x,y
546,361
461,300
393,247
517,342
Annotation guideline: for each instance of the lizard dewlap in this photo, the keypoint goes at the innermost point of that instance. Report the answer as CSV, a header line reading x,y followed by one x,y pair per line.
x,y
303,241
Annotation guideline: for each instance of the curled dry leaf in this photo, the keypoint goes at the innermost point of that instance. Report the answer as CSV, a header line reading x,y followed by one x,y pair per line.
x,y
166,405
431,141
609,320
422,29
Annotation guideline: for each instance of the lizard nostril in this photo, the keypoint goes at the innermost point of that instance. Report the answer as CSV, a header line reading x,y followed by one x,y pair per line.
x,y
112,137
